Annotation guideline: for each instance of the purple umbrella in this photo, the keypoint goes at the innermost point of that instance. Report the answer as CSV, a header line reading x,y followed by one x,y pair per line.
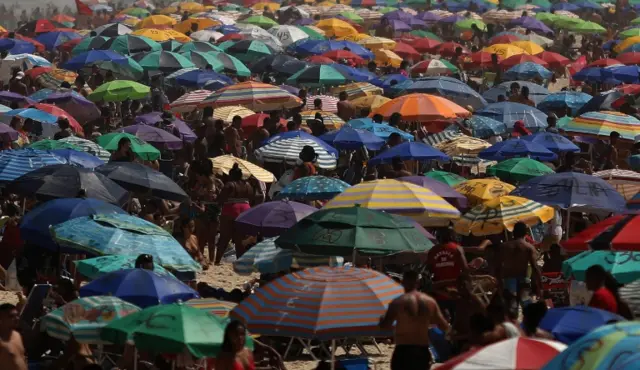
x,y
429,17
531,24
304,22
7,133
78,106
177,127
441,189
452,19
8,98
290,89
154,136
149,118
398,15
416,23
272,218
399,26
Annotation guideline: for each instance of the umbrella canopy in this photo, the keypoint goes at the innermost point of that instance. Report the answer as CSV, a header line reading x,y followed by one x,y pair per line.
x,y
119,90
625,182
381,130
252,95
623,266
481,190
249,50
485,127
448,178
92,57
286,147
272,218
139,147
450,88
553,142
89,147
536,92
422,107
433,67
288,34
565,99
15,163
144,288
334,27
318,75
409,151
94,268
125,235
142,179
112,30
213,306
155,136
322,292
350,138
568,324
130,44
603,123
313,188
443,190
575,191
517,148
222,164
83,319
508,113
163,61
516,170
526,71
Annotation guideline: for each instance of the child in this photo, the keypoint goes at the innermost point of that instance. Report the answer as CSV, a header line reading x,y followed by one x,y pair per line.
x,y
190,242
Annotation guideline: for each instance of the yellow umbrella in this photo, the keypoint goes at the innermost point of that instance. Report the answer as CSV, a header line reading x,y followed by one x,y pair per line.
x,y
481,190
261,5
462,145
178,36
222,164
326,4
398,197
385,57
169,10
375,43
131,22
330,120
162,35
372,102
227,113
528,46
2,29
357,90
190,7
355,37
157,21
496,215
195,24
504,50
626,43
334,27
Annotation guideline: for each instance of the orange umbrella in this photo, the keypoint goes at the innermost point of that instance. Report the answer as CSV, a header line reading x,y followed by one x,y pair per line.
x,y
62,18
422,107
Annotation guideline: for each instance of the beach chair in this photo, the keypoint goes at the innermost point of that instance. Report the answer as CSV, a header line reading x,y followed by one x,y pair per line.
x,y
360,363
483,287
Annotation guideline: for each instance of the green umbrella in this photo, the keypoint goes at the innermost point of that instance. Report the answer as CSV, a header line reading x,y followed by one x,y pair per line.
x,y
513,4
232,65
171,45
313,34
427,34
518,170
636,21
624,266
389,9
629,33
225,44
89,43
235,8
202,60
164,61
198,46
467,24
53,144
130,70
587,27
563,122
448,178
565,22
317,75
139,147
171,329
94,268
341,231
352,16
261,21
131,44
137,12
119,90
249,51
547,18
542,3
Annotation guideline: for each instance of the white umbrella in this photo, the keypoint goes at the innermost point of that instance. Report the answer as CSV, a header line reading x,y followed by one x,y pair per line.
x,y
287,35
303,13
257,33
206,35
24,61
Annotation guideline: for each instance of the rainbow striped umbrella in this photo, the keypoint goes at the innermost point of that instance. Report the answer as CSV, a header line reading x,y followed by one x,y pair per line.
x,y
398,197
603,123
213,306
320,303
252,95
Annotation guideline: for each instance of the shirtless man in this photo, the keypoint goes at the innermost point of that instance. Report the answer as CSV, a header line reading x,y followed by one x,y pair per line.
x,y
413,313
11,347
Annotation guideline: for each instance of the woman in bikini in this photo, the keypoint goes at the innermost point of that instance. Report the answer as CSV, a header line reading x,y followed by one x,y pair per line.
x,y
234,354
206,193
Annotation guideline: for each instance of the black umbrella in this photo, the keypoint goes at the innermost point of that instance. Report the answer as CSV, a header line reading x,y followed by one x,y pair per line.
x,y
142,179
66,181
276,63
163,61
130,44
112,30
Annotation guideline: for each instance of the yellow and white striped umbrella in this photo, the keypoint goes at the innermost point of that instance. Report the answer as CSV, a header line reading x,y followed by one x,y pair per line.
x,y
222,164
227,113
357,90
481,190
372,102
330,120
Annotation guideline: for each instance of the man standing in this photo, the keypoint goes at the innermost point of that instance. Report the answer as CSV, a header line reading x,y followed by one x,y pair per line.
x,y
413,312
346,110
11,346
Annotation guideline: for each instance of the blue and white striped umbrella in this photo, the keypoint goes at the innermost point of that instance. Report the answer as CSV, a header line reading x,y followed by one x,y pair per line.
x,y
267,258
24,61
286,147
15,163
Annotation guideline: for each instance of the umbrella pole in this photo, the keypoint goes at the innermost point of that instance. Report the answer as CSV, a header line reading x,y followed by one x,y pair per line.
x,y
333,353
353,258
568,223
135,358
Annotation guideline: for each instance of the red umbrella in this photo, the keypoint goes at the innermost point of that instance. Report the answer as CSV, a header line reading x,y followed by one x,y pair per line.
x,y
35,72
69,45
39,46
580,241
319,59
406,51
62,18
58,112
604,62
231,37
504,39
481,59
629,58
554,60
632,89
619,233
522,58
40,26
425,45
448,49
407,38
337,55
251,123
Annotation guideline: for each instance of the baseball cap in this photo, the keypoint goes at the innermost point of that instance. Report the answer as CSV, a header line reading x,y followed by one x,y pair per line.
x,y
20,75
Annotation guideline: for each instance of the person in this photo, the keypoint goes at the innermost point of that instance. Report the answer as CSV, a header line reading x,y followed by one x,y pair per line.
x,y
395,119
346,110
552,121
145,262
532,316
467,305
377,118
306,166
519,129
398,169
190,242
11,243
12,354
124,152
413,313
503,313
553,259
605,292
610,155
317,104
234,355
65,129
206,192
16,83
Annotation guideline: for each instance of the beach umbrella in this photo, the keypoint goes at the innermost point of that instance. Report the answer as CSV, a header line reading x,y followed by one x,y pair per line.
x,y
272,218
334,27
318,75
7,133
500,214
509,113
528,46
136,12
222,164
14,46
54,39
614,233
121,234
88,146
156,21
195,24
536,92
354,74
39,26
603,123
39,47
514,353
130,44
213,306
587,28
112,30
154,136
377,43
249,50
197,78
15,163
24,61
349,138
286,147
625,182
189,101
449,88
226,114
342,55
526,71
371,102
320,290
629,58
231,65
280,63
532,24
139,147
553,142
479,191
409,151
141,287
139,178
568,324
422,107
314,33
162,35
623,266
252,95
75,104
504,50
60,113
425,45
518,170
83,319
484,127
434,67
443,190
119,90
8,98
91,57
66,181
31,113
313,188
163,61
260,21
564,99
447,178
517,148
171,45
206,35
573,191
381,130
397,197
357,90
77,157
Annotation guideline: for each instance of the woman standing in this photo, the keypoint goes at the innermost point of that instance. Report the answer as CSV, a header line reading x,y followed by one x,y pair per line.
x,y
234,354
205,193
236,197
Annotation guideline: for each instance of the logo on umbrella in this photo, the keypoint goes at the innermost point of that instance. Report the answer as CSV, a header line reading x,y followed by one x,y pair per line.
x,y
330,236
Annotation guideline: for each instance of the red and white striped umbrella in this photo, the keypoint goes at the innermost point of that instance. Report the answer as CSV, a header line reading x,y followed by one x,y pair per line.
x,y
189,101
329,103
511,354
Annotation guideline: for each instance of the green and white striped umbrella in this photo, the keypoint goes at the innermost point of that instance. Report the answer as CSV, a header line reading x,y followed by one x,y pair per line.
x,y
89,147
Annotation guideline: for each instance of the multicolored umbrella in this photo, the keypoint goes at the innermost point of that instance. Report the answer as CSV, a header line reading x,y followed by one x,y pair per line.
x,y
625,182
84,318
213,306
481,190
119,90
272,218
139,147
189,101
94,268
313,188
252,95
358,90
286,147
323,292
604,123
330,120
516,170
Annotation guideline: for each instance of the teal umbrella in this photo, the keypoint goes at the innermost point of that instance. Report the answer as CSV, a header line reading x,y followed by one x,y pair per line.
x,y
624,266
204,60
89,43
317,75
232,65
94,268
198,46
131,44
249,50
163,61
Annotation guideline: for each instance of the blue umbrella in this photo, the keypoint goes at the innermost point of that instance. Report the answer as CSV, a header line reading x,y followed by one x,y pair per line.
x,y
199,78
286,147
14,46
53,39
225,29
484,127
591,74
141,287
15,163
584,4
508,113
527,71
450,88
313,188
568,324
565,6
91,57
536,92
517,148
563,99
354,74
32,113
349,138
409,151
317,47
35,224
76,158
382,130
554,142
44,94
123,235
626,74
574,191
385,81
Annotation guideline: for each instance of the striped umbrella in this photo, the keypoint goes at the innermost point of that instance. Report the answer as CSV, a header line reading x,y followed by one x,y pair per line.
x,y
286,148
322,302
252,95
227,113
189,101
496,215
481,190
88,146
329,103
15,163
213,306
222,164
84,318
398,197
358,90
604,123
625,182
330,120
